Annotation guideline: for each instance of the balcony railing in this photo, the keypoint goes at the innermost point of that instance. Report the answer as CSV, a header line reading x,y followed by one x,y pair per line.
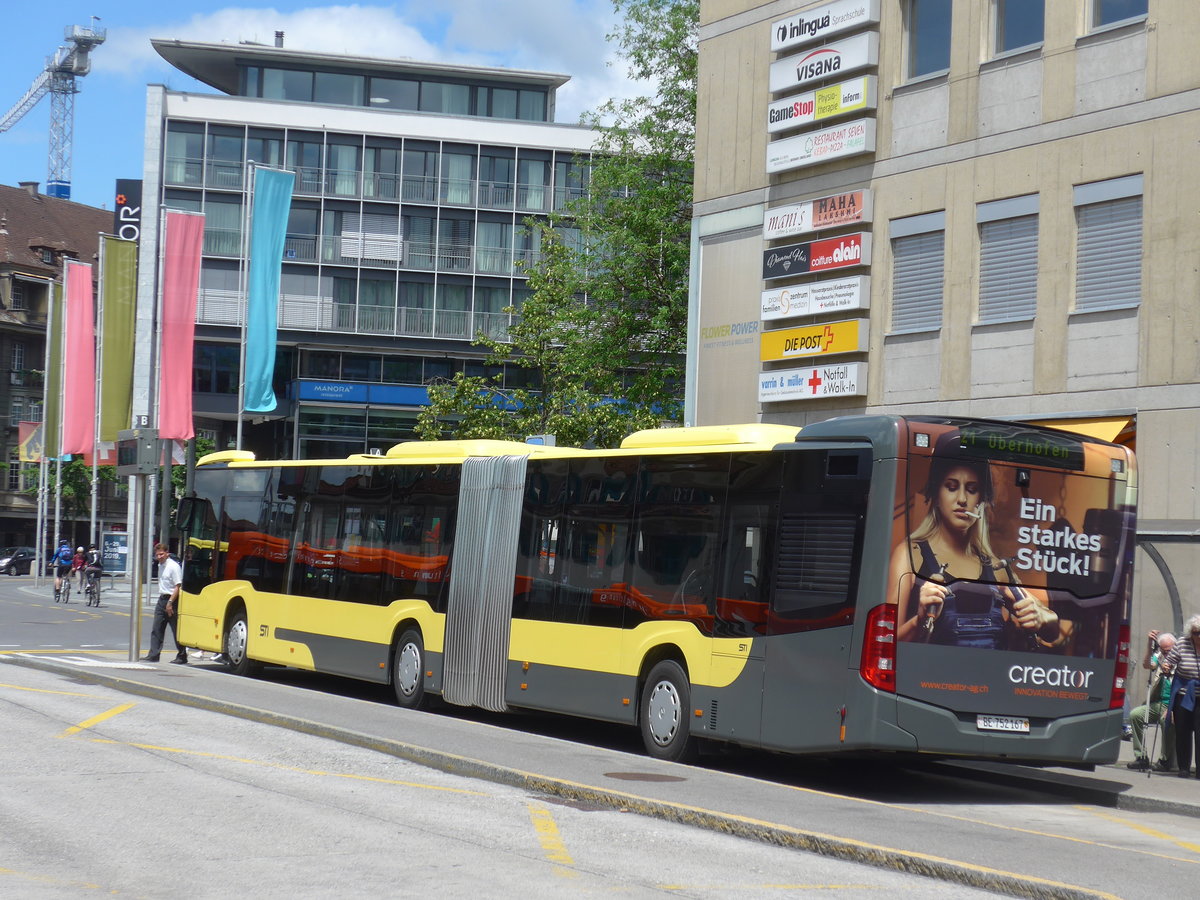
x,y
223,241
305,313
225,174
182,170
496,194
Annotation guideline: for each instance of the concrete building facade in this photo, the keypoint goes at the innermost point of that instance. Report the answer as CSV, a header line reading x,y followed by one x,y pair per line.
x,y
980,208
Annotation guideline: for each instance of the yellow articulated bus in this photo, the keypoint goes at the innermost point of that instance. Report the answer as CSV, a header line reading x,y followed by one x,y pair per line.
x,y
942,587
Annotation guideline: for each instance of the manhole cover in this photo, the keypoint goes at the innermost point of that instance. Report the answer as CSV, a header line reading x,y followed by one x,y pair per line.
x,y
642,776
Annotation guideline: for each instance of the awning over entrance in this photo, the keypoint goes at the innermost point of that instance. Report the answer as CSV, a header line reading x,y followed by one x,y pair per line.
x,y
1117,429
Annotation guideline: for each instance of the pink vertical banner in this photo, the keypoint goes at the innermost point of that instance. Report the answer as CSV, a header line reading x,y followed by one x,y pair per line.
x,y
79,360
183,240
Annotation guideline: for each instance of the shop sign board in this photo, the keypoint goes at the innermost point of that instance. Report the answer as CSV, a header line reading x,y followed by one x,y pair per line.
x,y
833,211
841,252
827,339
824,62
857,94
836,142
813,383
817,297
821,23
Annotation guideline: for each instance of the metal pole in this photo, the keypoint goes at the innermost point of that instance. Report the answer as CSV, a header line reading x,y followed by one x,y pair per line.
x,y
243,264
92,532
137,487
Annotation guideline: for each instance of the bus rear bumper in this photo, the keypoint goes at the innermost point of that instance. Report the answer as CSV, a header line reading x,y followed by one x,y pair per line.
x,y
1089,738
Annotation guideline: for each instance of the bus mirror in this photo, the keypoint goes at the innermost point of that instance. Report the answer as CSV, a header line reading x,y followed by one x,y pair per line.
x,y
189,517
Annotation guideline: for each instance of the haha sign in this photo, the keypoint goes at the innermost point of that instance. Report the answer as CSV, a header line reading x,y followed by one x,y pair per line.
x,y
833,211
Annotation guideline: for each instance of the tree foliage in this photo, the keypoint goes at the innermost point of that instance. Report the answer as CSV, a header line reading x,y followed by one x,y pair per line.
x,y
598,368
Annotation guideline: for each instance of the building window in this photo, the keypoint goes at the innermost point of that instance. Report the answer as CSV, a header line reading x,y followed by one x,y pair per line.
x,y
34,414
1008,259
18,294
1018,23
333,87
287,84
928,24
16,411
1108,254
394,93
48,256
918,271
14,469
1109,12
17,356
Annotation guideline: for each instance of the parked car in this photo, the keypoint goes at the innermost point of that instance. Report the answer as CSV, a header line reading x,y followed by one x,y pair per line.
x,y
16,560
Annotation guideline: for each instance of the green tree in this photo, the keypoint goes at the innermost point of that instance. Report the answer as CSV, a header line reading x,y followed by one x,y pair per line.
x,y
598,368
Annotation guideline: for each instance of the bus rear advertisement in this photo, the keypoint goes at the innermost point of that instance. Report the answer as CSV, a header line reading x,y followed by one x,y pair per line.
x,y
939,587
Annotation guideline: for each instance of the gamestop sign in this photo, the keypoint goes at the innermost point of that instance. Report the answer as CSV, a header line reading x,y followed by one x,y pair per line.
x,y
850,139
823,103
827,61
822,23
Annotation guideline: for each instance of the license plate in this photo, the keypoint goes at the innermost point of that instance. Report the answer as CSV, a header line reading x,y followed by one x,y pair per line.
x,y
1002,723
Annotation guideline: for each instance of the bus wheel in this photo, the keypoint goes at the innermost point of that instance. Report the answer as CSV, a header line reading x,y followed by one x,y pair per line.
x,y
237,637
408,670
666,698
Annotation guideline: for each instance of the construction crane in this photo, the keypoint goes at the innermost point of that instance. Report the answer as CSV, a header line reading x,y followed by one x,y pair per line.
x,y
58,80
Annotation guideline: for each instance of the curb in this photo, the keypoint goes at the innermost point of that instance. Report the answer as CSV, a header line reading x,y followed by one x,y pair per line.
x,y
833,846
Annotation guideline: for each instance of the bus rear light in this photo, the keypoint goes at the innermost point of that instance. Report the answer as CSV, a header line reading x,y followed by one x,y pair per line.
x,y
879,649
1121,673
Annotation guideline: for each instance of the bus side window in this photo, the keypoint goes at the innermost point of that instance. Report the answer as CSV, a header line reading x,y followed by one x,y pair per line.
x,y
741,604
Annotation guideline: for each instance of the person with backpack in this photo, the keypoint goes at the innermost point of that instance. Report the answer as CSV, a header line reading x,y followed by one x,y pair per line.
x,y
92,570
63,559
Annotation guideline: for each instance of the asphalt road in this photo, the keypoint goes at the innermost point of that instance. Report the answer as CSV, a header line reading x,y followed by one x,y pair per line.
x,y
1023,833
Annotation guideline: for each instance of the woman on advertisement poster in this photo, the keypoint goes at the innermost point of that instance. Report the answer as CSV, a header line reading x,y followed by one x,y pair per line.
x,y
950,586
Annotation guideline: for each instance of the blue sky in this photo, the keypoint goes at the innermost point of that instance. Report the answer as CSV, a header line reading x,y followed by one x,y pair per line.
x,y
565,36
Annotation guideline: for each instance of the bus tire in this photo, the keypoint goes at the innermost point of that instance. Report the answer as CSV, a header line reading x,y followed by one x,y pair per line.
x,y
408,670
237,644
664,714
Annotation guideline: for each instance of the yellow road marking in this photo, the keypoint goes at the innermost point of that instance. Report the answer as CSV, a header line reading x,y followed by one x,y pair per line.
x,y
1151,832
97,719
17,687
283,768
551,840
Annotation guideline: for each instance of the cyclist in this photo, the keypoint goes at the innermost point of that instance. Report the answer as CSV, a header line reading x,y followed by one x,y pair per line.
x,y
92,570
63,558
78,561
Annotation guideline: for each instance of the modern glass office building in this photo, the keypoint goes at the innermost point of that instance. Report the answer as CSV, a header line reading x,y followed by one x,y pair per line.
x,y
413,186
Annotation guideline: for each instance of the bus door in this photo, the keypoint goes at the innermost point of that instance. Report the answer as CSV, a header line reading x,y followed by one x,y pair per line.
x,y
817,557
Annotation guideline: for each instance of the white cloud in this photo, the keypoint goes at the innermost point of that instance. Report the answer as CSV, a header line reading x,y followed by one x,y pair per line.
x,y
563,36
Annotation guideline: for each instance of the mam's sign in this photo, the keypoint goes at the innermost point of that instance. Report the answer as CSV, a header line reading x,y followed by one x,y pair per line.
x,y
837,142
833,211
827,61
824,103
822,23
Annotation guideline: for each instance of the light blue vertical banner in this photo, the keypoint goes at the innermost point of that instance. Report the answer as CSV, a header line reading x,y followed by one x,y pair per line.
x,y
268,228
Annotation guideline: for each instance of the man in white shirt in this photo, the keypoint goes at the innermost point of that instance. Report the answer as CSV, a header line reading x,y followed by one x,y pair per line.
x,y
166,611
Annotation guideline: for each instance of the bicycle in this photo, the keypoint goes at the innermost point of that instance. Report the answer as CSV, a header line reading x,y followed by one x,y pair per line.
x,y
62,594
91,589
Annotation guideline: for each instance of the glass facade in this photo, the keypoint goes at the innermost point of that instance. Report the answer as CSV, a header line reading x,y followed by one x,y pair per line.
x,y
410,245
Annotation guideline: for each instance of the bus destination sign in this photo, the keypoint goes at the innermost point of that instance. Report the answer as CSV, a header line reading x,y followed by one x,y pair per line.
x,y
1018,445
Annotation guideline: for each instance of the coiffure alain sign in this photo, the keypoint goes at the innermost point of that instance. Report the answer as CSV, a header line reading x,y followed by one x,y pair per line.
x,y
823,22
826,61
